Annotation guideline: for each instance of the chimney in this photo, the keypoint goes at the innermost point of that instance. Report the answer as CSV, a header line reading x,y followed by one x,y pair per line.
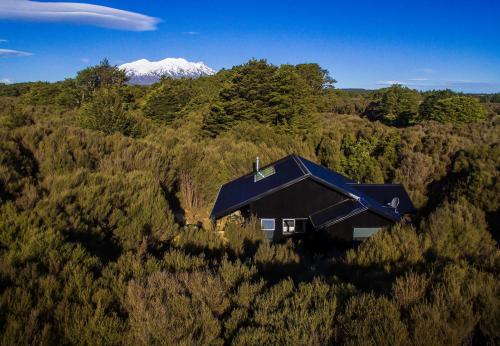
x,y
256,165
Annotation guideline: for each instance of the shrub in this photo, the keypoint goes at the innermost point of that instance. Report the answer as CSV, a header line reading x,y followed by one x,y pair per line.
x,y
474,176
243,241
409,289
462,306
458,230
18,168
176,308
400,247
455,109
105,112
370,320
107,213
286,315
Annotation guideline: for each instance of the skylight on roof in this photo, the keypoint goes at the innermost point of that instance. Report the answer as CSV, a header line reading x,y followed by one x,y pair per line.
x,y
264,173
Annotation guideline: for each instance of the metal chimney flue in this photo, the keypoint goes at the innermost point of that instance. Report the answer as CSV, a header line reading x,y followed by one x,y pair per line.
x,y
257,164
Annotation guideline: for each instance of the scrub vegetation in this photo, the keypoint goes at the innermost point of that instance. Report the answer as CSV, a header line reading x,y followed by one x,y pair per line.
x,y
105,191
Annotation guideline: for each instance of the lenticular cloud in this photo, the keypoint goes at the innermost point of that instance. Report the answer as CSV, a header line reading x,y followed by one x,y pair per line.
x,y
71,12
13,53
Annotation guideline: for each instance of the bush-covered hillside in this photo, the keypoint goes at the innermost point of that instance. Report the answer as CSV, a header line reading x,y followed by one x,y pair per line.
x,y
105,191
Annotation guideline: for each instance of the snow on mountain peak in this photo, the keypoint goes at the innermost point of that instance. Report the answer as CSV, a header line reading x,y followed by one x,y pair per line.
x,y
147,72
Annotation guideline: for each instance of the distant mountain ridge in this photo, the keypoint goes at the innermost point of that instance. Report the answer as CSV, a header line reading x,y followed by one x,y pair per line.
x,y
145,72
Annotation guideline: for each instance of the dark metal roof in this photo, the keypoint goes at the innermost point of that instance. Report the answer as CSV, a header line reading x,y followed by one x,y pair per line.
x,y
289,170
343,184
245,190
384,193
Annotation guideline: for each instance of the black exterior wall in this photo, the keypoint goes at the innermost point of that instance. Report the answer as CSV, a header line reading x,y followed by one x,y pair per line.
x,y
343,230
295,201
304,198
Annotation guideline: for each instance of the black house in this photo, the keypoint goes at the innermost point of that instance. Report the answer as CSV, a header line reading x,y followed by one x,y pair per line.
x,y
294,195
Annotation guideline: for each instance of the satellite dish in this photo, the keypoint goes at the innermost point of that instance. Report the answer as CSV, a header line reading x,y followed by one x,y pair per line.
x,y
394,203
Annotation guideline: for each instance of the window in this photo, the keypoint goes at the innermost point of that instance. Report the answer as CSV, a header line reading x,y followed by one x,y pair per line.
x,y
361,233
267,224
288,225
264,173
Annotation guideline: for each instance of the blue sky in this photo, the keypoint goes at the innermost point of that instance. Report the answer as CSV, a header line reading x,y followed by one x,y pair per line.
x,y
364,44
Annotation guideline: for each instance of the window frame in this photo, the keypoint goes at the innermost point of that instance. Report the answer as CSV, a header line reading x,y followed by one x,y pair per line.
x,y
283,225
361,239
267,229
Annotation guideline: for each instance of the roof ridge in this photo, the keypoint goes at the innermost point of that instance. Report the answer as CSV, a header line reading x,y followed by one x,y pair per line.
x,y
301,165
347,189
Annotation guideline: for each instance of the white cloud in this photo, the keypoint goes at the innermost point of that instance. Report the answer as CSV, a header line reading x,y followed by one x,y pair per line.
x,y
424,69
7,53
85,60
418,79
389,82
190,32
5,81
81,13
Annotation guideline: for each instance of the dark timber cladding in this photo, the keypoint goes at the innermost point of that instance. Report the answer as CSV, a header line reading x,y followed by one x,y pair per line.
x,y
290,202
287,202
295,195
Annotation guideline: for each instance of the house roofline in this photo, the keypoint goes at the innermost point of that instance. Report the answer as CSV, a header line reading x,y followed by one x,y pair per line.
x,y
351,195
255,198
306,174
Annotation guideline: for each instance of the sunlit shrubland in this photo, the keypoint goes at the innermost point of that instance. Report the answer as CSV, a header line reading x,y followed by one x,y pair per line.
x,y
106,189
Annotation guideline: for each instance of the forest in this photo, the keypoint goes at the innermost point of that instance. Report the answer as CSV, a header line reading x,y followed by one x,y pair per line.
x,y
106,190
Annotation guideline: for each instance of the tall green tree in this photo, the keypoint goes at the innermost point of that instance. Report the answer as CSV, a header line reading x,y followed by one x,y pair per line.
x,y
396,105
455,109
284,96
316,77
167,99
430,99
103,75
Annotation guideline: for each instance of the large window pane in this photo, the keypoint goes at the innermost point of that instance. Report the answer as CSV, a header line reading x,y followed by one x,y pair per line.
x,y
267,224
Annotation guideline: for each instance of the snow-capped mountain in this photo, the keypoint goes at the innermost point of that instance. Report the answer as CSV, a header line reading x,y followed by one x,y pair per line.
x,y
145,72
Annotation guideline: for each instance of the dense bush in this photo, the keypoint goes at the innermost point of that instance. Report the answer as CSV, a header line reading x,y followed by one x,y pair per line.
x,y
105,191
401,106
